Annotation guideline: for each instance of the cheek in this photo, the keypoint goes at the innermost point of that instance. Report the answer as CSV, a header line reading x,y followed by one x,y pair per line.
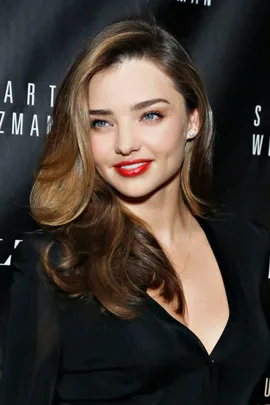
x,y
100,148
167,140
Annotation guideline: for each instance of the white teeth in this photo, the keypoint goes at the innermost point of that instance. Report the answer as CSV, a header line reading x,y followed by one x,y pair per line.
x,y
133,166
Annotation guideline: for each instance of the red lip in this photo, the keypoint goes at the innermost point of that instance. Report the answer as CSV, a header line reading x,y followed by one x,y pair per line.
x,y
131,162
132,172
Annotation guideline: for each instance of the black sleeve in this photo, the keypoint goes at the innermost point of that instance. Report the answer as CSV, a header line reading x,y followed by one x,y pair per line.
x,y
256,239
265,280
32,349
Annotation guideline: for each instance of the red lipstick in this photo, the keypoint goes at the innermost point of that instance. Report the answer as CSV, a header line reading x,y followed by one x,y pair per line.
x,y
132,168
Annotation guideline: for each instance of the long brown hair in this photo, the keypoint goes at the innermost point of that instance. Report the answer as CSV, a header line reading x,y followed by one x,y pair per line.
x,y
106,251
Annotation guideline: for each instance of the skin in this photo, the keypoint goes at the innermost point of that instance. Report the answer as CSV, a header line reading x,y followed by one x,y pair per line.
x,y
127,134
157,132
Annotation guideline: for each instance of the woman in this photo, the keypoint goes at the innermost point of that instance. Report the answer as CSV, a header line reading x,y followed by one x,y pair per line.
x,y
134,292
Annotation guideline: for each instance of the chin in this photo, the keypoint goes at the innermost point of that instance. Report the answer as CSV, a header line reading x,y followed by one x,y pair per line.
x,y
137,189
133,194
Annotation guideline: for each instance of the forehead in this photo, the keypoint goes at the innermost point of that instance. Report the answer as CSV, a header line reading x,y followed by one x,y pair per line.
x,y
130,82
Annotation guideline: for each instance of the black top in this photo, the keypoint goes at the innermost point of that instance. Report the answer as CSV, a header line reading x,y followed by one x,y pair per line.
x,y
69,352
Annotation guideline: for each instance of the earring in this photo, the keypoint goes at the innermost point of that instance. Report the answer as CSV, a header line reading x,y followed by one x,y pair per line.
x,y
191,133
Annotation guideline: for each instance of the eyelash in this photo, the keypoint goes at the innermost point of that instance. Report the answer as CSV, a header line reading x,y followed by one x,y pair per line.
x,y
157,113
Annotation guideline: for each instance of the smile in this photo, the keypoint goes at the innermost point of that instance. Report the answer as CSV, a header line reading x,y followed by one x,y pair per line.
x,y
132,170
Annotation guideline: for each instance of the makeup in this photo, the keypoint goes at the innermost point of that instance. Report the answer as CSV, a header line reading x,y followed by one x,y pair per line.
x,y
132,168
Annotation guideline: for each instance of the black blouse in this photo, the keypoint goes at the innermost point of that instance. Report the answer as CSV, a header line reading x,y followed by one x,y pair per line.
x,y
68,352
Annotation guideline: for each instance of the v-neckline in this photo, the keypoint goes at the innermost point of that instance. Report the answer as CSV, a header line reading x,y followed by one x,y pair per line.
x,y
225,268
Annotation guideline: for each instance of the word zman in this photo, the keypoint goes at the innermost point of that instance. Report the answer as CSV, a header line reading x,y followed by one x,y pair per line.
x,y
18,121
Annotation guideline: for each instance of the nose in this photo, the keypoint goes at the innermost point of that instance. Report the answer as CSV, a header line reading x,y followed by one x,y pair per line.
x,y
126,140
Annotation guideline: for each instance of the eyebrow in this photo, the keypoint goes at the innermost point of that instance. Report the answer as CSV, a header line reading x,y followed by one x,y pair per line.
x,y
134,107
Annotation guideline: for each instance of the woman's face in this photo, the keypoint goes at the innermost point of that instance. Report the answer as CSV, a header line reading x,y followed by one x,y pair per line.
x,y
138,126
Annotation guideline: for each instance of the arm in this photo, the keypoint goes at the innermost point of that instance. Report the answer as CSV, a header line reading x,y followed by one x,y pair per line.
x,y
32,349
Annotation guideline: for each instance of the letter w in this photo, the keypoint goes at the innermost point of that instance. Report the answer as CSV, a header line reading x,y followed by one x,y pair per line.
x,y
257,144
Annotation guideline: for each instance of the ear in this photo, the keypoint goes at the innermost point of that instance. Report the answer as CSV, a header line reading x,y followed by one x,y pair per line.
x,y
193,124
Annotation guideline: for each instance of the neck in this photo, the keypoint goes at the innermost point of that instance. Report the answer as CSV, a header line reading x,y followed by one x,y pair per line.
x,y
165,213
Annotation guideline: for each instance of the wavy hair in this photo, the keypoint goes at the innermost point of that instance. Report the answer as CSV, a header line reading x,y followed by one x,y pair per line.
x,y
106,252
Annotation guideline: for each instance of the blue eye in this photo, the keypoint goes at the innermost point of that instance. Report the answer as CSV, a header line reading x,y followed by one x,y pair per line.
x,y
98,124
152,116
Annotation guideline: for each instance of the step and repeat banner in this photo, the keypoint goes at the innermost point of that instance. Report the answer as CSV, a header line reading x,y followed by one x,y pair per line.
x,y
229,41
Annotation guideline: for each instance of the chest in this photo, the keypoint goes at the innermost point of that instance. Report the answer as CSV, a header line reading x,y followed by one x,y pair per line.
x,y
207,306
133,356
160,350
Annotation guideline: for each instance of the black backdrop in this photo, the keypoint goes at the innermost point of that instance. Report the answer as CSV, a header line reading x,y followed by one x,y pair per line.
x,y
229,41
